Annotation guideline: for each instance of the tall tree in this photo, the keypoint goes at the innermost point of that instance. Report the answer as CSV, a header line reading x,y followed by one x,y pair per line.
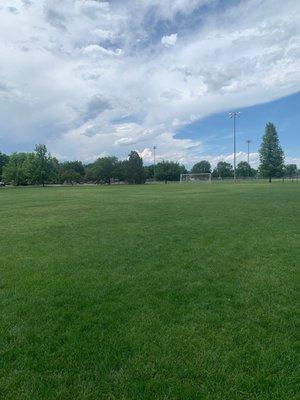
x,y
134,169
71,172
3,161
29,167
16,171
104,169
223,170
149,171
244,170
169,171
201,167
290,170
120,170
271,154
88,173
54,170
44,167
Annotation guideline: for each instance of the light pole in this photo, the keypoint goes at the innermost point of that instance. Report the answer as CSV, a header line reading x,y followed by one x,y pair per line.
x,y
248,144
234,115
154,163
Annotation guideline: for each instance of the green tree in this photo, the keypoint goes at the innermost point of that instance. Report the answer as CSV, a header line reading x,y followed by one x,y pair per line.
x,y
223,170
290,170
201,167
16,171
120,171
70,176
76,166
3,161
134,169
149,172
54,170
244,170
29,168
71,172
43,168
169,171
271,154
104,169
88,173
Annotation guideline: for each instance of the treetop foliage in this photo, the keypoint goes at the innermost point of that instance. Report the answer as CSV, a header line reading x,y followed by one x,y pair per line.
x,y
244,170
201,167
169,171
271,154
290,170
223,170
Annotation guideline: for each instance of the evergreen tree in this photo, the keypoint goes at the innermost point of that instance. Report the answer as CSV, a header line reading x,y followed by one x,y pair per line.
x,y
134,169
271,154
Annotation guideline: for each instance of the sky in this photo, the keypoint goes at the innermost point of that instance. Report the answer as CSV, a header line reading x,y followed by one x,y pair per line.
x,y
92,78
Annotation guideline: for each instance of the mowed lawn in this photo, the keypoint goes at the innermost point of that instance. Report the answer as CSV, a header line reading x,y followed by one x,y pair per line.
x,y
149,292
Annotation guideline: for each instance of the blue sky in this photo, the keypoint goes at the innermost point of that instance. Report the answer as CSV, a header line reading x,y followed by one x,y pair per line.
x,y
216,130
104,77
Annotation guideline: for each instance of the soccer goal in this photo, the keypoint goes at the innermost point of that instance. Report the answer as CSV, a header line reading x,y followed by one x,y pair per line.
x,y
204,177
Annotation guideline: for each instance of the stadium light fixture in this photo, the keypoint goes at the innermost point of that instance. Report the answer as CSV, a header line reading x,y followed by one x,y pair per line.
x,y
234,115
154,163
248,144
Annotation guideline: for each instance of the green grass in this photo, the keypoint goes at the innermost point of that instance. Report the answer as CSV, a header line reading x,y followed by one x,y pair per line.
x,y
149,292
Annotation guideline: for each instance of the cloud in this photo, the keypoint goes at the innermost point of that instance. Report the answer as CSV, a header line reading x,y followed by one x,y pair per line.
x,y
94,50
13,10
27,3
95,107
88,64
169,40
4,87
55,18
240,156
168,9
293,160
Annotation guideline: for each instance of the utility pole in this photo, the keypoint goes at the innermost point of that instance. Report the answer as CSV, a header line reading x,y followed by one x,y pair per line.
x,y
248,143
234,115
154,163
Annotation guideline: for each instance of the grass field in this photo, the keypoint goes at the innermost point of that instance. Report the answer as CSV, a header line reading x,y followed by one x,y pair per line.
x,y
149,292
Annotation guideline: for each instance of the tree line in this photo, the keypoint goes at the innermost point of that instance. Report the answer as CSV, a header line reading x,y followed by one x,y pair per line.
x,y
40,168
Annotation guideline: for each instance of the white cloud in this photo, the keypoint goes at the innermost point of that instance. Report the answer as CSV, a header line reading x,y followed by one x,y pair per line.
x,y
169,40
167,9
94,50
73,69
293,160
240,156
243,156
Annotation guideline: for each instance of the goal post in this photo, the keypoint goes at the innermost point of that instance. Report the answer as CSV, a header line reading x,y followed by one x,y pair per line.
x,y
194,178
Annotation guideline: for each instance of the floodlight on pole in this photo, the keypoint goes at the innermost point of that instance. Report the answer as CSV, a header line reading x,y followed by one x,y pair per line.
x,y
248,144
234,115
154,163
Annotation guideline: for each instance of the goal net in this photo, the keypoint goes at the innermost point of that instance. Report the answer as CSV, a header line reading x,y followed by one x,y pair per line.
x,y
204,177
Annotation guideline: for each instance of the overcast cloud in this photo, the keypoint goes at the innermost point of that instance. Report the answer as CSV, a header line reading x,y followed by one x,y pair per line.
x,y
91,78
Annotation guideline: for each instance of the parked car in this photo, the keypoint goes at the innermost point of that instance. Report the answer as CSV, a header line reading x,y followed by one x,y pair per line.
x,y
2,183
